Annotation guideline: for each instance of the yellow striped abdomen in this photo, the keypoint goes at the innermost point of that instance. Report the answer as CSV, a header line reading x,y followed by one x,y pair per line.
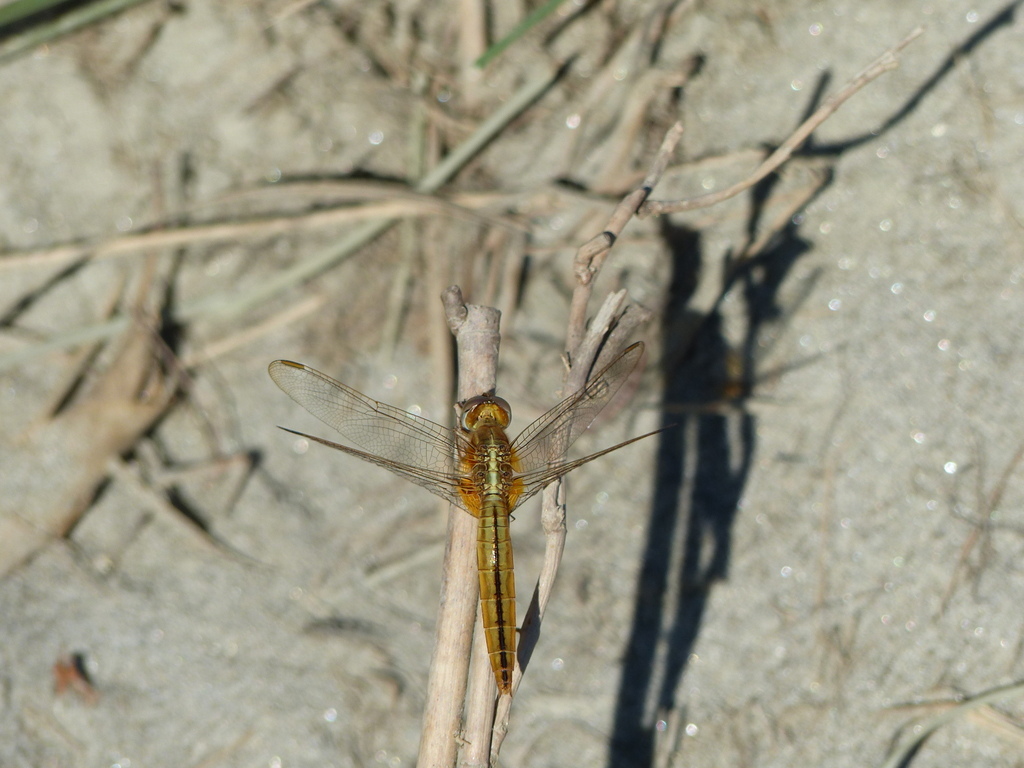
x,y
497,588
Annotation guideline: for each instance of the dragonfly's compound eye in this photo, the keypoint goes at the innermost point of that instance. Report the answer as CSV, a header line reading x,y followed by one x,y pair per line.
x,y
471,411
502,411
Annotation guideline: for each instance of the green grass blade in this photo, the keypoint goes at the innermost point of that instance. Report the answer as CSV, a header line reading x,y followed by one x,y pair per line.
x,y
521,29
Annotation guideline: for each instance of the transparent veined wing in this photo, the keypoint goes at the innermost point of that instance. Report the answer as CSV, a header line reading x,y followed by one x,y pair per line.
x,y
541,447
406,444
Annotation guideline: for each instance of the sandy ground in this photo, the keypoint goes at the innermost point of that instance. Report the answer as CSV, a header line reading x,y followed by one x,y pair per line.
x,y
821,554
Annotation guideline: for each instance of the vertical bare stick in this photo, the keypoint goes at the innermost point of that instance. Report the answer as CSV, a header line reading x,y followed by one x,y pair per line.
x,y
476,750
476,333
472,44
582,347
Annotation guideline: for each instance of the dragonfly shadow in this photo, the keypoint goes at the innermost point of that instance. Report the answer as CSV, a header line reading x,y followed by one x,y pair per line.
x,y
704,460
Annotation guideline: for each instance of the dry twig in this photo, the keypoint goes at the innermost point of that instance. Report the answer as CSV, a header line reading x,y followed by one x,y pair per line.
x,y
921,730
76,445
879,66
476,333
591,255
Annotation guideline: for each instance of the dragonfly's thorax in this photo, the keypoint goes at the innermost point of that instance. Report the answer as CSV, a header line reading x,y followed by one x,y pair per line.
x,y
489,461
492,469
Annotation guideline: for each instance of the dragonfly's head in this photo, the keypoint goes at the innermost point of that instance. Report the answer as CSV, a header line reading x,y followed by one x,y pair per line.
x,y
485,409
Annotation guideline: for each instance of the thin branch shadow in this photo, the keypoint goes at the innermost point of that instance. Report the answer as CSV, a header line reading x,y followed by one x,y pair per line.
x,y
1003,18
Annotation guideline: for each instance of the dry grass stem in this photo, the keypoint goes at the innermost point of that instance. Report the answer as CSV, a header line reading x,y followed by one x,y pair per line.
x,y
411,205
476,333
995,721
887,61
155,502
232,304
921,730
472,44
633,119
788,205
485,732
74,447
988,504
289,10
478,741
36,35
297,311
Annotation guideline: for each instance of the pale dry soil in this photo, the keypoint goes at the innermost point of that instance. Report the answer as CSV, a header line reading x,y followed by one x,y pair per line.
x,y
788,577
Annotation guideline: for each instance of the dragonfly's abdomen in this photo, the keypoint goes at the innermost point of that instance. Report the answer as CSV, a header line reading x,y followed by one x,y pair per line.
x,y
497,589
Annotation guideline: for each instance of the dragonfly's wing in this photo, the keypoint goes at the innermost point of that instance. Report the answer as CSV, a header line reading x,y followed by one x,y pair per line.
x,y
410,446
433,482
542,446
535,481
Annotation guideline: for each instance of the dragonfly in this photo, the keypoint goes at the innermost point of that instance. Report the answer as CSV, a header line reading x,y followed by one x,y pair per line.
x,y
473,465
